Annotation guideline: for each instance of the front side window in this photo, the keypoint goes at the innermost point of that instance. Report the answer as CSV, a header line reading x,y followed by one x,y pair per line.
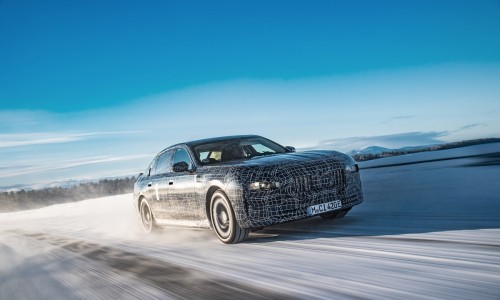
x,y
181,155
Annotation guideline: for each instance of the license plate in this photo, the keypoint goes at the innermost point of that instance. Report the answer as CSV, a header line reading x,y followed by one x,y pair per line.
x,y
324,207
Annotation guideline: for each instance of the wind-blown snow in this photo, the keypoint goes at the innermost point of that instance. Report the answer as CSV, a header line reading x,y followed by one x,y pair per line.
x,y
426,230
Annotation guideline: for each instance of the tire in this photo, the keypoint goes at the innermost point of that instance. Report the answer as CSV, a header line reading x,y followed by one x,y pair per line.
x,y
336,214
147,218
223,220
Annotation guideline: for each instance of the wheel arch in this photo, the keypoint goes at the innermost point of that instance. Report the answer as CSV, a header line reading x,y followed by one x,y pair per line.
x,y
142,197
234,235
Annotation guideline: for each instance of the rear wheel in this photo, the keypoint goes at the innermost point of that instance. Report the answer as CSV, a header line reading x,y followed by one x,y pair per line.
x,y
148,221
223,220
336,214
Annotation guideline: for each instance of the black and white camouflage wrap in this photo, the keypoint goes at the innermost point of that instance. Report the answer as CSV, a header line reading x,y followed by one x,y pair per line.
x,y
305,179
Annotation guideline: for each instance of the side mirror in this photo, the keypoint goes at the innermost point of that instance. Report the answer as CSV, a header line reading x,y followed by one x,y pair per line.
x,y
140,174
290,148
181,166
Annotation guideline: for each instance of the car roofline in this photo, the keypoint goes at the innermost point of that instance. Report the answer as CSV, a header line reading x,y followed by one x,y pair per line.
x,y
216,139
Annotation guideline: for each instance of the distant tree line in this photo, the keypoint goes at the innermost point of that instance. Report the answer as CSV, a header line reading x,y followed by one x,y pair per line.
x,y
370,156
30,199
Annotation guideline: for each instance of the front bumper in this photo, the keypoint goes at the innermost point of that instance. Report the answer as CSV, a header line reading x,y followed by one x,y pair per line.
x,y
264,208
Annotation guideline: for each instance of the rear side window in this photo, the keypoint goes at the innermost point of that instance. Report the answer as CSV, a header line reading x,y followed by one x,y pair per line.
x,y
151,168
164,162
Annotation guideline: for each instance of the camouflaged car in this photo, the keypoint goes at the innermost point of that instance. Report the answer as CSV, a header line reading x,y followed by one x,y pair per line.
x,y
238,184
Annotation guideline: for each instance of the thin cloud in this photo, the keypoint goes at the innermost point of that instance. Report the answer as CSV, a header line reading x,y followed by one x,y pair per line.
x,y
8,140
16,170
13,120
392,119
473,125
404,117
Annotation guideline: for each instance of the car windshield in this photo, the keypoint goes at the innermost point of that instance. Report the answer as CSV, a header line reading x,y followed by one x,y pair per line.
x,y
235,149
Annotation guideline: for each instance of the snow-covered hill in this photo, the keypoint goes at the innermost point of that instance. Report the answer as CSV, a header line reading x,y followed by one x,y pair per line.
x,y
428,229
370,150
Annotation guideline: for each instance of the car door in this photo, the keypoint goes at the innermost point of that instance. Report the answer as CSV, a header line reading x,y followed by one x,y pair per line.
x,y
159,184
156,182
149,184
181,187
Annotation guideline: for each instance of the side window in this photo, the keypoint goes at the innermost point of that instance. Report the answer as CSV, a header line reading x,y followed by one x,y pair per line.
x,y
163,164
181,155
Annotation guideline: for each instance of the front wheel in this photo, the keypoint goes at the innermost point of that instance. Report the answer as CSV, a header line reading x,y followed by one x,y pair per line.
x,y
223,220
148,221
336,214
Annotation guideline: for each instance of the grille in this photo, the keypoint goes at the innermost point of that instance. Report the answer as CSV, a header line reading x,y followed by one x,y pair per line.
x,y
319,181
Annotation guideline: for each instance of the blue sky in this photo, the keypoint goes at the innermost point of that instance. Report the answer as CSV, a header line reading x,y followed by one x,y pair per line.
x,y
96,88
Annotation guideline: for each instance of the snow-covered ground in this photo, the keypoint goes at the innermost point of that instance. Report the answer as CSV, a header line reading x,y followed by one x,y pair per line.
x,y
428,230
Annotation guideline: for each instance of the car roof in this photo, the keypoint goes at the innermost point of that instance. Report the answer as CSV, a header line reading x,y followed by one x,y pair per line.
x,y
217,139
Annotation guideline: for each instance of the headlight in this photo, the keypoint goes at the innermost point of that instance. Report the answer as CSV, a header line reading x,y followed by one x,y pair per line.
x,y
352,168
263,185
350,164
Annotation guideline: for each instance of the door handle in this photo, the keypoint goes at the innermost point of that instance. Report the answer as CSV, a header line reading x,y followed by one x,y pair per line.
x,y
170,183
150,184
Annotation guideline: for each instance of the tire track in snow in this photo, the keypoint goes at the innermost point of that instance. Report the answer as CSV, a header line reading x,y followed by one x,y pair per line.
x,y
176,280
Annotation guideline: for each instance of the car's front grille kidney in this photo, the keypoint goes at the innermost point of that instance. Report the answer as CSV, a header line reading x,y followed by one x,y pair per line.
x,y
318,181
